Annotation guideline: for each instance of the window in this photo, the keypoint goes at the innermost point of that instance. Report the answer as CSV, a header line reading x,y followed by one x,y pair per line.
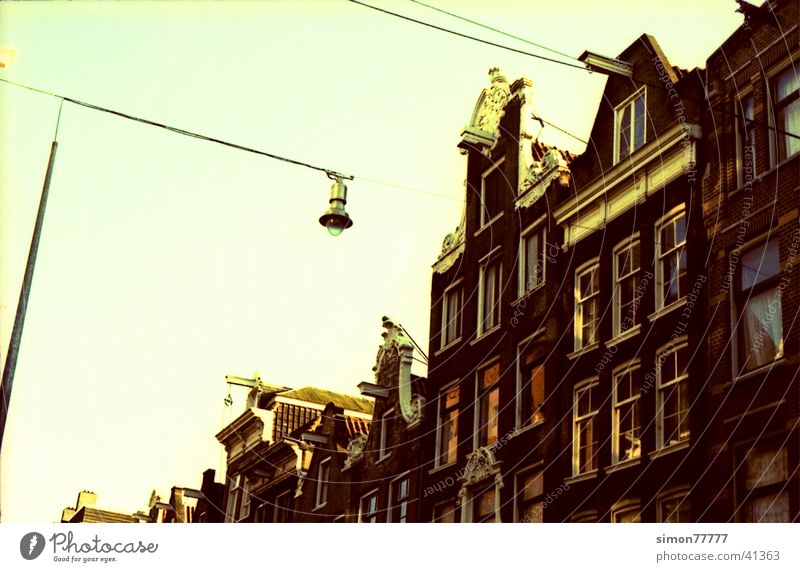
x,y
244,511
626,287
447,428
758,305
529,492
530,387
532,257
483,506
385,428
261,513
488,405
489,296
398,493
674,507
671,268
629,126
584,435
587,306
323,474
745,140
281,513
492,185
626,444
234,495
762,492
444,511
368,510
672,408
451,316
786,107
627,512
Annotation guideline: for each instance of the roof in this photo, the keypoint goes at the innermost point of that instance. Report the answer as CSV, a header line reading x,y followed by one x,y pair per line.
x,y
356,425
323,397
96,515
539,150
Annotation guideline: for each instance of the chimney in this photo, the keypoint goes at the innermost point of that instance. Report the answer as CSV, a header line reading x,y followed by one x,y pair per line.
x,y
85,498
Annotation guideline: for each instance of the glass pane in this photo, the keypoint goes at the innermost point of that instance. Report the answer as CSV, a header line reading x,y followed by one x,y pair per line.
x,y
484,506
444,512
788,83
532,486
537,391
763,330
770,508
675,509
624,129
680,230
490,376
765,465
759,264
451,398
789,119
638,123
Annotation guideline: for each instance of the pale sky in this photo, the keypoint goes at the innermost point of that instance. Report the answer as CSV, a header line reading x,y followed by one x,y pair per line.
x,y
167,262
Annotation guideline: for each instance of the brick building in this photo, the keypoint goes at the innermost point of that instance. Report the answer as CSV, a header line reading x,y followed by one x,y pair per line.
x,y
751,196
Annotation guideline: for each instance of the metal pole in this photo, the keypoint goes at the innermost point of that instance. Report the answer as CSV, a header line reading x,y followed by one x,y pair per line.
x,y
22,306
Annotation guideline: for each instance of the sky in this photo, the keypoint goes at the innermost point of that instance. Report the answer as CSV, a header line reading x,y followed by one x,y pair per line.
x,y
168,262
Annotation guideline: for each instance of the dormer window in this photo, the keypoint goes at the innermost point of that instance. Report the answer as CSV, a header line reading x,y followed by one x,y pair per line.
x,y
629,126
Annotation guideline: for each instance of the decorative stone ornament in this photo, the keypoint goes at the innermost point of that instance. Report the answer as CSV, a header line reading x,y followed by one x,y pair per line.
x,y
539,176
355,450
452,247
397,346
481,465
484,127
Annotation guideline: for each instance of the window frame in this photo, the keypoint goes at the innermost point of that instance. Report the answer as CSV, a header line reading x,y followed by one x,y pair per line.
x,y
588,267
484,222
403,502
668,218
536,229
442,409
522,347
587,384
234,498
670,348
455,287
479,395
673,494
742,495
321,498
745,135
740,297
491,259
519,477
279,507
372,515
777,147
447,504
383,434
618,372
618,111
617,291
626,506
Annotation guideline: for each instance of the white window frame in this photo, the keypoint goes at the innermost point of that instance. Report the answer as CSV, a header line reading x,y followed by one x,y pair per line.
x,y
538,229
455,287
493,258
322,483
668,218
521,348
618,111
626,368
737,319
476,427
361,513
669,348
617,291
592,265
440,410
244,511
591,384
484,175
383,435
234,498
392,489
672,494
772,87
